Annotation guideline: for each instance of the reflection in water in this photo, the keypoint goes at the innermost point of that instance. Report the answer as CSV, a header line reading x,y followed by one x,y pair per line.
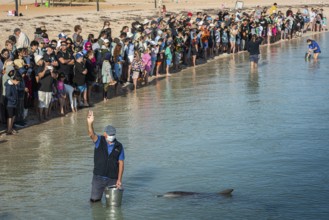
x,y
106,212
253,82
218,125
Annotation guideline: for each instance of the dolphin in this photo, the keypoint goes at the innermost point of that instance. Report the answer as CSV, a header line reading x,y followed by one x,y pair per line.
x,y
176,194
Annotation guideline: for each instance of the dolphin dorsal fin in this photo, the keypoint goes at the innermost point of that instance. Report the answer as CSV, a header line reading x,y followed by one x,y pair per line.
x,y
226,192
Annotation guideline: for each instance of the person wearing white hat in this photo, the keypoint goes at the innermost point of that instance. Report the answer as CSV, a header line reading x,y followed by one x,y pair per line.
x,y
146,21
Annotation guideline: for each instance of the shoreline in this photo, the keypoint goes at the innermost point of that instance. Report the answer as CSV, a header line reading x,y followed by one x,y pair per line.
x,y
152,79
113,12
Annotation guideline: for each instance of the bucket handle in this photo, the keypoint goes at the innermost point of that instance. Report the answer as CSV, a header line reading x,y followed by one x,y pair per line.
x,y
115,186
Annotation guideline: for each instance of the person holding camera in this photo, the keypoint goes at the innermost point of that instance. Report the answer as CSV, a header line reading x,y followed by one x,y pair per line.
x,y
50,56
253,49
45,82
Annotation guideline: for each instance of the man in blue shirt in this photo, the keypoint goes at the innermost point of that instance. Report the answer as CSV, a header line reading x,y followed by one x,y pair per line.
x,y
108,159
314,47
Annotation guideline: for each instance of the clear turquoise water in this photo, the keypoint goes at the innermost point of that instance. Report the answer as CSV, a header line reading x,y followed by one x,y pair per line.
x,y
219,126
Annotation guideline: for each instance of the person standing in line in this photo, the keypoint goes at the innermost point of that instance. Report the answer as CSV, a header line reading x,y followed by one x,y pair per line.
x,y
12,100
22,41
108,159
253,49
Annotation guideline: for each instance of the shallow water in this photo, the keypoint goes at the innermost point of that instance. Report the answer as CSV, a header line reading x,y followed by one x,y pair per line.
x,y
265,134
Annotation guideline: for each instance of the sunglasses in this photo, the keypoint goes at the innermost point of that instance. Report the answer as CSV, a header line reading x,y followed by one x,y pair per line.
x,y
63,45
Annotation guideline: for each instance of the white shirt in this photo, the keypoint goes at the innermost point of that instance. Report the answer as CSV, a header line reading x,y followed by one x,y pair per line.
x,y
22,41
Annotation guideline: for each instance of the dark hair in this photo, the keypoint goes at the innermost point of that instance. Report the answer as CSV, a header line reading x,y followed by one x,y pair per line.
x,y
12,38
69,39
34,43
19,50
14,75
308,40
4,51
17,30
90,36
77,27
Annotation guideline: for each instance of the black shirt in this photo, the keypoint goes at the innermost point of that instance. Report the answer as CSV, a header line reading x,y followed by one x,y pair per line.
x,y
65,68
253,47
79,77
91,71
46,82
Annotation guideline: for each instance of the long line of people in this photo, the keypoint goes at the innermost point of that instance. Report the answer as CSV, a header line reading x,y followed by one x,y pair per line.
x,y
59,75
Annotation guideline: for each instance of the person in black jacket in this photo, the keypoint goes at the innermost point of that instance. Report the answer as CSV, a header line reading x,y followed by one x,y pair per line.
x,y
12,100
79,79
108,159
253,49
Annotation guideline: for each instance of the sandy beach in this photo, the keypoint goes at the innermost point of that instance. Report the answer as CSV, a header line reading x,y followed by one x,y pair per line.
x,y
62,18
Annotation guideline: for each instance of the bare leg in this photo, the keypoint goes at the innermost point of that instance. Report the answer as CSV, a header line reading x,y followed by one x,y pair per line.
x,y
135,83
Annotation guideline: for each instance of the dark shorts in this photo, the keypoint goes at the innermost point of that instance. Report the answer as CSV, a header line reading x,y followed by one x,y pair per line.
x,y
194,52
98,186
11,112
205,45
254,58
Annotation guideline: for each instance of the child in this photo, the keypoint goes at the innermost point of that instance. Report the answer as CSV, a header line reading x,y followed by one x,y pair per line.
x,y
168,56
154,52
19,61
61,93
194,49
72,96
146,57
225,39
160,56
137,67
269,33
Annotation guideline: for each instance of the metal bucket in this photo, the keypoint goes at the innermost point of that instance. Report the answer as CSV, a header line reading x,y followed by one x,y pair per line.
x,y
113,195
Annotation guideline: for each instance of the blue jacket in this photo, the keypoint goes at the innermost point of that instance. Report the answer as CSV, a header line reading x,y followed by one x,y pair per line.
x,y
314,45
11,94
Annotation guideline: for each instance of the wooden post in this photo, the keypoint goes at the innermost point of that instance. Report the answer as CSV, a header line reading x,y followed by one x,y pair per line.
x,y
16,4
97,5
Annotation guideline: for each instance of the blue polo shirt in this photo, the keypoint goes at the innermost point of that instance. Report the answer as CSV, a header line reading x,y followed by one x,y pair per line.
x,y
110,148
314,45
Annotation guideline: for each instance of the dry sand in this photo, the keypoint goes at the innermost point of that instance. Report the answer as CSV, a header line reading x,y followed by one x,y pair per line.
x,y
63,18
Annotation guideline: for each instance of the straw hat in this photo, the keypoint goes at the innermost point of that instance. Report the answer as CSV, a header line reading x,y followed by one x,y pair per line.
x,y
146,21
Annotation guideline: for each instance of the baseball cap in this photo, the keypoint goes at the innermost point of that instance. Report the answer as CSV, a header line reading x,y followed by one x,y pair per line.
x,y
78,55
37,58
110,130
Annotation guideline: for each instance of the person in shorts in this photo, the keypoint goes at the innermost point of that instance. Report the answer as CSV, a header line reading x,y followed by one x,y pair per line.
x,y
253,49
79,79
45,82
168,56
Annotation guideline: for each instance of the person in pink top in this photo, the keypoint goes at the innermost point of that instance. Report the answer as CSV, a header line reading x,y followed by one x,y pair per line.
x,y
147,61
61,92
